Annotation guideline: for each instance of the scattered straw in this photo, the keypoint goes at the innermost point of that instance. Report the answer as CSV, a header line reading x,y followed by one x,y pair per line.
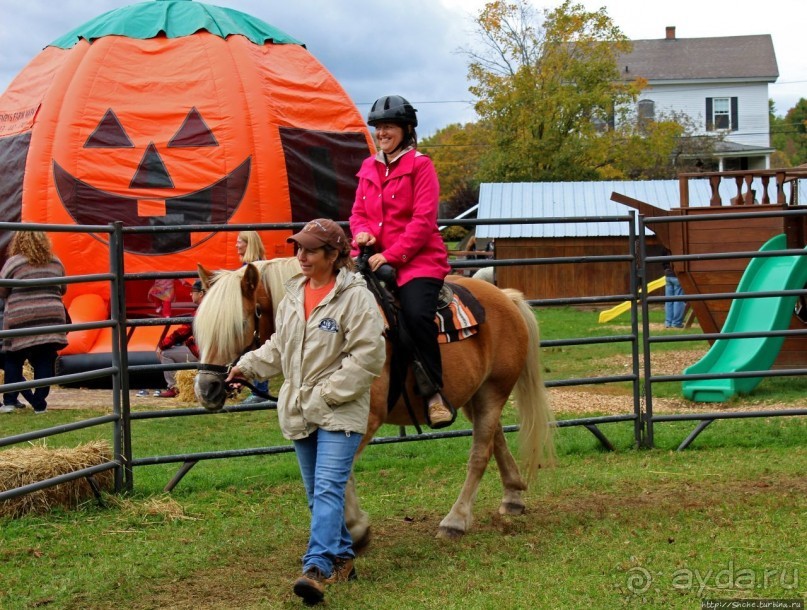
x,y
165,508
161,509
21,466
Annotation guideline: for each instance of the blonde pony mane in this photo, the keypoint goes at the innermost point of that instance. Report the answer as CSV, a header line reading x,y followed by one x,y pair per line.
x,y
274,275
218,326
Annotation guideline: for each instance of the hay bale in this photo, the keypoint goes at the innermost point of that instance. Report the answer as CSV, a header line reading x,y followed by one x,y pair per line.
x,y
25,465
185,380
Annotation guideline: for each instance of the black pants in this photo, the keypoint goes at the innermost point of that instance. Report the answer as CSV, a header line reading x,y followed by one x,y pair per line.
x,y
418,300
43,361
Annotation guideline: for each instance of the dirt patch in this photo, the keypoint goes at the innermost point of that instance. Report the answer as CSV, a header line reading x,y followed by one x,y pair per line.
x,y
595,399
101,400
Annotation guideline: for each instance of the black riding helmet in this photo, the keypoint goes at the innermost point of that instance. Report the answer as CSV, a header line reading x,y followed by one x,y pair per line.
x,y
392,109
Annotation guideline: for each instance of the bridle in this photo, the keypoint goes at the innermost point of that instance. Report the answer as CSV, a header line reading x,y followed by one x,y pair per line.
x,y
223,370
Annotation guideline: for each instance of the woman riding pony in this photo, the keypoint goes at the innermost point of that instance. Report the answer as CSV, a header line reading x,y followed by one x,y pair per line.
x,y
395,211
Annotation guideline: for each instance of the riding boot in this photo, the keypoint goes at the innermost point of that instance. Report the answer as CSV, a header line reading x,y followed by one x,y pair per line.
x,y
440,415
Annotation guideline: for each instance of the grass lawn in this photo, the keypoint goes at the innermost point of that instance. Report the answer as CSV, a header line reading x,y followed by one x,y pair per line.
x,y
631,528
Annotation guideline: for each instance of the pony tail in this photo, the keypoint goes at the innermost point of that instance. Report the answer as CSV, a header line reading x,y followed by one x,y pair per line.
x,y
535,435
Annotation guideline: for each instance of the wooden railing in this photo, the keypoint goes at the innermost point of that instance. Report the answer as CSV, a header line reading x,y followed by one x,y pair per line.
x,y
743,181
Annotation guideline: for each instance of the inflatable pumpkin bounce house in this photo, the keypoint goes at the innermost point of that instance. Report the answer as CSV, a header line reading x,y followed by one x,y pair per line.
x,y
171,113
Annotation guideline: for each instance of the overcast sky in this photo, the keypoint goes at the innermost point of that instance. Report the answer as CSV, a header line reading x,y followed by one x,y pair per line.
x,y
379,47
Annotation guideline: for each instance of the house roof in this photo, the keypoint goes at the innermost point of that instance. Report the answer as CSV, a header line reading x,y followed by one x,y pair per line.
x,y
720,58
576,199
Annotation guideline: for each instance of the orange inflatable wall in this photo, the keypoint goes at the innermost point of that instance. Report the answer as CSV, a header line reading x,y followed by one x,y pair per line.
x,y
172,132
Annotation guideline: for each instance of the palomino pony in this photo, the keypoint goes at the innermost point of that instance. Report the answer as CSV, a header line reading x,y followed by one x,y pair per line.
x,y
479,373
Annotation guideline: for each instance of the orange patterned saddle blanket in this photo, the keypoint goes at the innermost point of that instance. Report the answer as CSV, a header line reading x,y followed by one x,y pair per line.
x,y
459,316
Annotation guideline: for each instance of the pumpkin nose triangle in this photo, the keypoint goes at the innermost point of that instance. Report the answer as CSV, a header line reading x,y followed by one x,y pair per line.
x,y
151,173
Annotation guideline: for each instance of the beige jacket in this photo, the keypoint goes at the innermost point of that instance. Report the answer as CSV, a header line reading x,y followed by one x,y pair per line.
x,y
328,363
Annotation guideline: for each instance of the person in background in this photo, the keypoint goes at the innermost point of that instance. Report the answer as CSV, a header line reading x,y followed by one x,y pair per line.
x,y
6,408
179,346
329,346
31,257
162,293
673,310
395,211
250,248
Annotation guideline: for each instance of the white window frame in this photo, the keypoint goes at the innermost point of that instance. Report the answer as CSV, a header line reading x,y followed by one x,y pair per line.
x,y
721,113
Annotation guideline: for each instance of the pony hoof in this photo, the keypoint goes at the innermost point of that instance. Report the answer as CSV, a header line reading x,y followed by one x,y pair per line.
x,y
362,544
449,533
511,508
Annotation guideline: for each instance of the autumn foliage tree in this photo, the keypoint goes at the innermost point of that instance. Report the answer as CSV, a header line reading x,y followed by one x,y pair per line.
x,y
789,135
552,100
547,93
456,151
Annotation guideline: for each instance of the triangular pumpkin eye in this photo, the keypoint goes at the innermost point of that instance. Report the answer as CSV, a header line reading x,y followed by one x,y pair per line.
x,y
109,134
193,132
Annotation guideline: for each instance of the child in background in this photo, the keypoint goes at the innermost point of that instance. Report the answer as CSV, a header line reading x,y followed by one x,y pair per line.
x,y
162,294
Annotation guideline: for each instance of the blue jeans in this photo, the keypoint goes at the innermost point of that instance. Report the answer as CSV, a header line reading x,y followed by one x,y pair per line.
x,y
326,460
673,310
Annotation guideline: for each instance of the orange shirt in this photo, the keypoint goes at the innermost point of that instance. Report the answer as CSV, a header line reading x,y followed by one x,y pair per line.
x,y
314,296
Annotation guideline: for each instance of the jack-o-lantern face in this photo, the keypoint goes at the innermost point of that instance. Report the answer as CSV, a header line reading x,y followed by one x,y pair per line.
x,y
213,203
171,126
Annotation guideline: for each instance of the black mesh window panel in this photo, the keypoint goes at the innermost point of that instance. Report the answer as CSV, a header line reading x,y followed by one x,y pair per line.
x,y
13,154
322,168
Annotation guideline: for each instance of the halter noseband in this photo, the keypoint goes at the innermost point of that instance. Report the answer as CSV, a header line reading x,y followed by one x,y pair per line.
x,y
223,370
220,370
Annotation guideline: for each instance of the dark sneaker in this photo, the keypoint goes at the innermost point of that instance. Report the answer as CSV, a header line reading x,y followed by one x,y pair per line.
x,y
343,571
169,393
439,415
310,586
40,411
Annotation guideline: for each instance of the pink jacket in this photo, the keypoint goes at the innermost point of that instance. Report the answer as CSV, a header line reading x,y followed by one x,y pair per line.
x,y
400,210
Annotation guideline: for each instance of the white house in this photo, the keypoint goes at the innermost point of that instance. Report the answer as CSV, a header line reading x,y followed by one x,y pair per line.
x,y
720,83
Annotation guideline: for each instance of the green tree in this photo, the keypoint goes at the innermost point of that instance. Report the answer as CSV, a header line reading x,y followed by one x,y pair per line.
x,y
659,149
456,151
789,135
555,106
547,93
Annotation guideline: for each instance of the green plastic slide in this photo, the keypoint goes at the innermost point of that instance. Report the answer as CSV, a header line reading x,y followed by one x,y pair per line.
x,y
750,315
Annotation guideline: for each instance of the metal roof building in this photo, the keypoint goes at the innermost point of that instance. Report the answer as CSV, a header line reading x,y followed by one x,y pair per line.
x,y
571,199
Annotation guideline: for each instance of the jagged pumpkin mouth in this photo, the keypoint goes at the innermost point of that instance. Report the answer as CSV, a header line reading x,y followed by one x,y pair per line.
x,y
213,204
